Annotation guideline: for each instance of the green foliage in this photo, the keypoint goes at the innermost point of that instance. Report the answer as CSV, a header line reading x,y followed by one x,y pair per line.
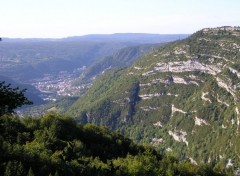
x,y
30,172
188,112
57,145
14,168
11,98
31,93
121,59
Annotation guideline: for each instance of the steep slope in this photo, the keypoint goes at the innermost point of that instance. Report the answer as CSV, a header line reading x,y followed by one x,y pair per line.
x,y
24,59
182,97
120,59
123,58
57,145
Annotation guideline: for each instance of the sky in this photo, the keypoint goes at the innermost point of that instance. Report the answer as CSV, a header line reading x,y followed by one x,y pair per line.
x,y
63,18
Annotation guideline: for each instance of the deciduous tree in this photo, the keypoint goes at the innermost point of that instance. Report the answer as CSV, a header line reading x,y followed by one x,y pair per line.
x,y
11,98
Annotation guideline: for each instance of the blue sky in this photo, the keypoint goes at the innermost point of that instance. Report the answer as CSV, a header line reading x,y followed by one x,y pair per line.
x,y
62,18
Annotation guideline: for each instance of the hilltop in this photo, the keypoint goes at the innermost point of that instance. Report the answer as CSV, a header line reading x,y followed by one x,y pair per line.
x,y
182,97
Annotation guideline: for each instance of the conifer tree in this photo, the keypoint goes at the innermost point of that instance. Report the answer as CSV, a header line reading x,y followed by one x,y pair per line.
x,y
30,172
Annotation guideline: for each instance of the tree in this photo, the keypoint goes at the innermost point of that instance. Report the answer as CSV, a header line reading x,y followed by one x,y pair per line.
x,y
14,168
30,172
56,173
11,98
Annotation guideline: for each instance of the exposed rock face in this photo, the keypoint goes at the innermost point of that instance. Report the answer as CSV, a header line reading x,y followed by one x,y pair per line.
x,y
226,86
200,122
204,98
179,136
158,124
174,109
224,28
186,100
156,141
183,66
235,71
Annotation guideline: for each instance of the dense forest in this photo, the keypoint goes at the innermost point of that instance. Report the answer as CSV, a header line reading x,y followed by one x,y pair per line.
x,y
57,145
182,97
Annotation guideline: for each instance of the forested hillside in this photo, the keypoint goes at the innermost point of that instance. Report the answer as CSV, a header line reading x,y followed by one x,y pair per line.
x,y
183,98
57,145
120,59
123,58
53,66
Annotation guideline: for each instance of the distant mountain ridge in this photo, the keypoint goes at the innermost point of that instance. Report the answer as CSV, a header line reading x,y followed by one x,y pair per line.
x,y
30,60
129,37
24,59
117,37
182,97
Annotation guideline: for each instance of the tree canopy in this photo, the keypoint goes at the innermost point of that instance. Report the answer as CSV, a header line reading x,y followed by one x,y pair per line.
x,y
11,98
58,145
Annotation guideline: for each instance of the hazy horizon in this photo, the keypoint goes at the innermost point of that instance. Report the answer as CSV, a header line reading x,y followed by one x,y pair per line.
x,y
86,35
60,18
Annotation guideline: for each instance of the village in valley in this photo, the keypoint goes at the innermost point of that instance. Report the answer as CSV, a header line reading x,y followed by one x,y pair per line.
x,y
59,85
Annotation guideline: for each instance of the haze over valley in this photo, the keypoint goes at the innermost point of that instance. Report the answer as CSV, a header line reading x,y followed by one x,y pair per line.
x,y
53,65
120,88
